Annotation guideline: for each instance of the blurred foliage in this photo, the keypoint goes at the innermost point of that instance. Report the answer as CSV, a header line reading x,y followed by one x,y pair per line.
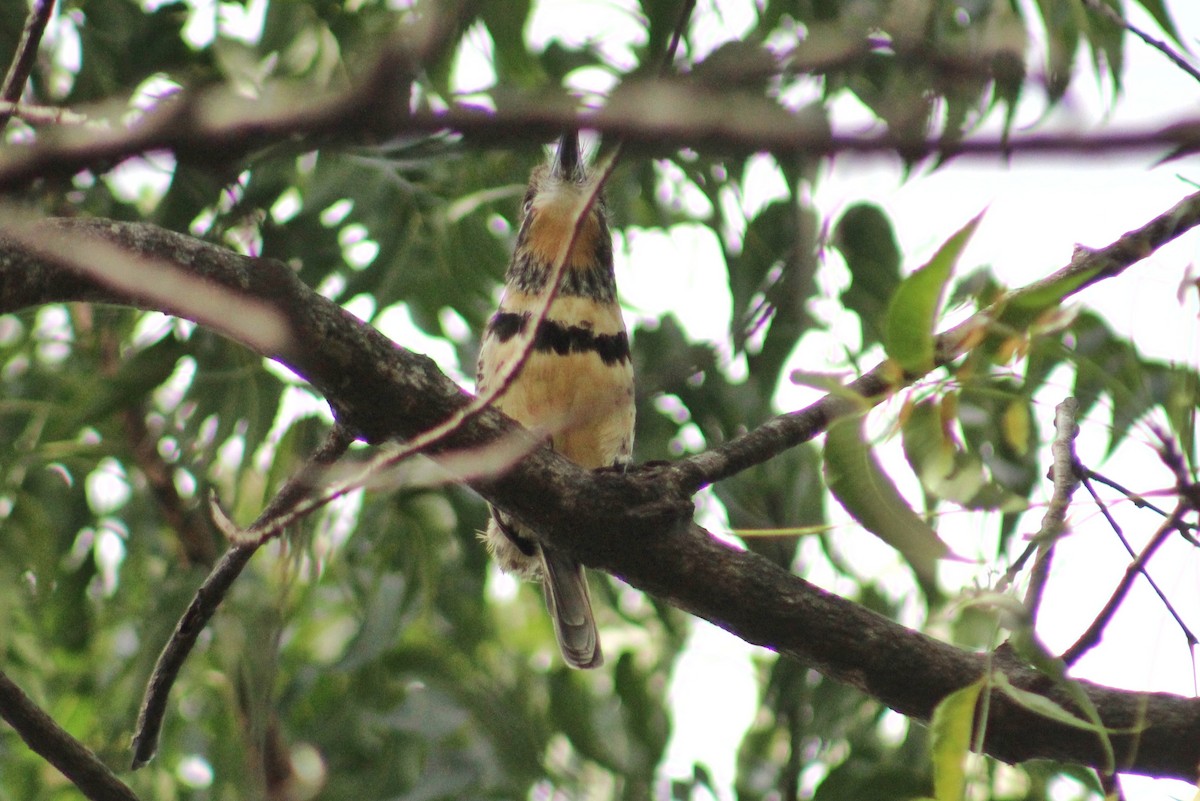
x,y
380,656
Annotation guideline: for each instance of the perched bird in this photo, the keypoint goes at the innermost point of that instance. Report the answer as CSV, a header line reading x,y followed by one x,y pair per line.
x,y
577,382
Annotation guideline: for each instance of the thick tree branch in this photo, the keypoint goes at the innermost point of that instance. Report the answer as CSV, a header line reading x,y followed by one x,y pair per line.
x,y
56,746
906,670
638,526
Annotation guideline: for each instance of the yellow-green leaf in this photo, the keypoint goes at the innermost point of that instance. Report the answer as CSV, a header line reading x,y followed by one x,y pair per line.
x,y
1015,424
950,741
868,494
914,308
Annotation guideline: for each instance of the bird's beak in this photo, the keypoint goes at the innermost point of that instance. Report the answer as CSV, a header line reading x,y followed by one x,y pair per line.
x,y
567,163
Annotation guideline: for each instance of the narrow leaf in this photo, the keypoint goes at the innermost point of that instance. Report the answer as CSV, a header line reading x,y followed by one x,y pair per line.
x,y
867,242
950,743
1158,10
913,311
868,494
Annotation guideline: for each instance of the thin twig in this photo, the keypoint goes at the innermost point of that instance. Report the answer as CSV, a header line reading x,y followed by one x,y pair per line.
x,y
1162,596
1141,500
40,115
50,741
212,592
685,14
1066,481
1187,502
1159,45
22,63
1091,637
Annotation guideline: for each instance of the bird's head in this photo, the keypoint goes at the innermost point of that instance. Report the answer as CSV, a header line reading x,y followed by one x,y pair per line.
x,y
557,190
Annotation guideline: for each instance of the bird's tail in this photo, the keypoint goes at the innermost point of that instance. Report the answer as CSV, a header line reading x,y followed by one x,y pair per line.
x,y
571,610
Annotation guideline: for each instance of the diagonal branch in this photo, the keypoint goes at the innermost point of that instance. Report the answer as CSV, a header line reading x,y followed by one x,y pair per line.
x,y
638,526
204,604
1176,58
1192,639
1091,637
785,431
56,746
1187,503
26,55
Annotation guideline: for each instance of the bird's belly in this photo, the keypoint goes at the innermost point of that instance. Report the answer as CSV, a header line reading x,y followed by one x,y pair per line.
x,y
585,405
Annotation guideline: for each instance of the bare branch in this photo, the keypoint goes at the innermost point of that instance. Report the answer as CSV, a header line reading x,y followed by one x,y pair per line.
x,y
56,746
1158,44
1140,501
217,126
1191,638
1091,637
1065,477
40,115
213,591
22,63
161,284
1187,502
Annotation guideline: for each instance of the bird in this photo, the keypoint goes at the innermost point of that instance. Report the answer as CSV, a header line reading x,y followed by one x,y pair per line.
x,y
577,381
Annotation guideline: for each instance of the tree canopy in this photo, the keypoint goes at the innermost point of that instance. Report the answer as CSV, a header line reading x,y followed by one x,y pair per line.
x,y
246,254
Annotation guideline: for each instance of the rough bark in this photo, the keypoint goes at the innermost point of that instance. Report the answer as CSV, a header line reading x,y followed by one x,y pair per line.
x,y
637,526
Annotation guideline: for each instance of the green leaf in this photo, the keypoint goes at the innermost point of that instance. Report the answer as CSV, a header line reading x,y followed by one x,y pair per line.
x,y
950,731
947,471
1158,10
1180,406
787,297
1062,21
1026,643
135,378
868,494
514,64
867,242
764,245
913,311
1042,705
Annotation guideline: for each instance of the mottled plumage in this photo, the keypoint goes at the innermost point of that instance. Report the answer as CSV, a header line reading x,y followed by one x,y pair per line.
x,y
577,382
